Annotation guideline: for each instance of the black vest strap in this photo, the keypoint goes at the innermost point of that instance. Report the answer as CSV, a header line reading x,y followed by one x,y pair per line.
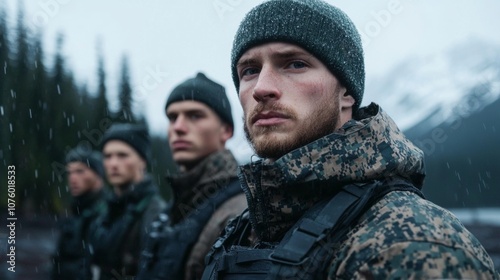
x,y
307,247
310,230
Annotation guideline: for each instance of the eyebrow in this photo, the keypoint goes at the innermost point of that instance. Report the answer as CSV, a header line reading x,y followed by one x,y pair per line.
x,y
247,61
287,53
188,111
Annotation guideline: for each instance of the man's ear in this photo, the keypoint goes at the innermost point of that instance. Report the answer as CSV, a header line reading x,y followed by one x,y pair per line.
x,y
226,132
143,165
346,101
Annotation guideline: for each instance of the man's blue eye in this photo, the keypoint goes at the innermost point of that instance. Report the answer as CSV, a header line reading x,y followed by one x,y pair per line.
x,y
249,71
297,64
195,117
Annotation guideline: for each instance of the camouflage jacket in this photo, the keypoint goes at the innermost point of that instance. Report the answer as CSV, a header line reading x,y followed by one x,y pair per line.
x,y
402,236
118,238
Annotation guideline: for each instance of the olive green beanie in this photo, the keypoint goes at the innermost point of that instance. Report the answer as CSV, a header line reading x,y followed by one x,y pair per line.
x,y
316,26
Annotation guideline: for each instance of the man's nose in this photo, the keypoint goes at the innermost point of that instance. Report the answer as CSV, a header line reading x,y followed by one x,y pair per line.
x,y
179,125
266,88
112,161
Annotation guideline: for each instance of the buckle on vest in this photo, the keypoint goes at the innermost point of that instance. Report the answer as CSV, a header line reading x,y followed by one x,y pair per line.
x,y
278,259
294,251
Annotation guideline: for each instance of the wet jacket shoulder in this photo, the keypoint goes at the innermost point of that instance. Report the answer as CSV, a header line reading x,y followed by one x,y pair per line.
x,y
227,211
72,259
192,189
406,237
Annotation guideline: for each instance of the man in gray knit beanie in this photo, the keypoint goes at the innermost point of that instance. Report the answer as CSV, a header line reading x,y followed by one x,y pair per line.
x,y
323,30
337,193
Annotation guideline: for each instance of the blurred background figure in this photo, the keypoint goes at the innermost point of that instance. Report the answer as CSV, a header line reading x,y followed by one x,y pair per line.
x,y
85,174
119,236
206,190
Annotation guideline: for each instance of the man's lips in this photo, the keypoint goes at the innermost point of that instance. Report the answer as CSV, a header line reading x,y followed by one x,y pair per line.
x,y
181,144
269,118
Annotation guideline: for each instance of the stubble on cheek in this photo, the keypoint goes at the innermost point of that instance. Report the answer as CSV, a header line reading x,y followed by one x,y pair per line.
x,y
274,142
268,141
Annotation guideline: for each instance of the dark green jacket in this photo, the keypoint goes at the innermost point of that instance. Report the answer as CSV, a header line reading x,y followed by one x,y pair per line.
x,y
118,237
72,259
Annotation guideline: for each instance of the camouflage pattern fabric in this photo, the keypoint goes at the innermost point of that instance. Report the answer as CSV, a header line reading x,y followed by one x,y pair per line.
x,y
206,178
406,237
193,188
400,237
367,149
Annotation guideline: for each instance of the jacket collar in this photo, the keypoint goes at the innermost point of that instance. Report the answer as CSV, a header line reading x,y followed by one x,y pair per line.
x,y
368,148
192,187
86,201
137,192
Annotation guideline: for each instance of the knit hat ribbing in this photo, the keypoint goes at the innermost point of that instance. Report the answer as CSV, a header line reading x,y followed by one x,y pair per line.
x,y
92,159
204,90
318,27
135,135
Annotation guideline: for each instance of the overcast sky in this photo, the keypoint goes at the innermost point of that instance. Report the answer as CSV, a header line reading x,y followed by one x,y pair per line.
x,y
169,41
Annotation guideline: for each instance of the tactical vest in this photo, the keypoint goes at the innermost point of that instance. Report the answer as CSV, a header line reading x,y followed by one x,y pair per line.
x,y
169,246
306,250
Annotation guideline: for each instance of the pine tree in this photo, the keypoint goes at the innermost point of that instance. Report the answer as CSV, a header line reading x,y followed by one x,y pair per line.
x,y
62,133
56,114
38,108
19,106
37,125
125,113
41,98
101,106
4,54
5,100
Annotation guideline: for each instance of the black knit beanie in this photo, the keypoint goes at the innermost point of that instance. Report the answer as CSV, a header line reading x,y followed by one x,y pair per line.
x,y
204,90
318,27
135,135
92,159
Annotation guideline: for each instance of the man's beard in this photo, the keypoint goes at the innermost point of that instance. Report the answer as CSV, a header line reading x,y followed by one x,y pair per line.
x,y
322,123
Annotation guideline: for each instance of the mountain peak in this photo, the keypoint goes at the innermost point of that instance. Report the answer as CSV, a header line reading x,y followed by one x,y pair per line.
x,y
438,87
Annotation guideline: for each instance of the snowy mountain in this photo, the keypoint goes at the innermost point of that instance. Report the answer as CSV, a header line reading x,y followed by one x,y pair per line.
x,y
448,104
427,91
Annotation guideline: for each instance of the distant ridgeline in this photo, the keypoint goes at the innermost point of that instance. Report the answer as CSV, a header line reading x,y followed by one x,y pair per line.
x,y
462,158
449,105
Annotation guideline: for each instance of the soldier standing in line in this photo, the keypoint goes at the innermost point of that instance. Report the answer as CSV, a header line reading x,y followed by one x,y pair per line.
x,y
85,175
118,238
337,192
206,190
